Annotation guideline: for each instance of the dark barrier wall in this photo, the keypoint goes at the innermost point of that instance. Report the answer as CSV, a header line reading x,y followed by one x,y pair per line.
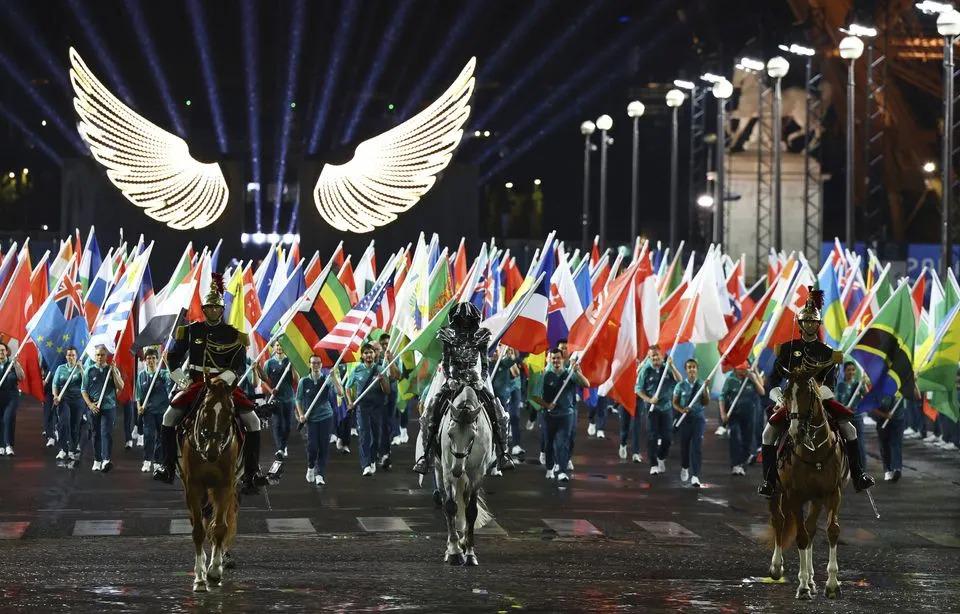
x,y
449,209
88,198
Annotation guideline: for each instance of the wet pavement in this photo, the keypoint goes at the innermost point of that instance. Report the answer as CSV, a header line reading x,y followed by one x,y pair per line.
x,y
614,539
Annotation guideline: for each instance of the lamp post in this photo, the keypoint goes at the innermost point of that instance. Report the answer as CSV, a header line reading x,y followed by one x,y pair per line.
x,y
777,68
948,25
586,129
850,48
604,123
674,100
635,111
722,90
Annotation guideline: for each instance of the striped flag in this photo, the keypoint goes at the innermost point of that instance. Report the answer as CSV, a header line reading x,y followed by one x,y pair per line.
x,y
375,310
325,303
116,311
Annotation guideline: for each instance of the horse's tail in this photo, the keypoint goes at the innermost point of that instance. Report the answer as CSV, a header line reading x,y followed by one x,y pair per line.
x,y
484,516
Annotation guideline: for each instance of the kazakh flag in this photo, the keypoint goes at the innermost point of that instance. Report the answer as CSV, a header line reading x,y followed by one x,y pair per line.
x,y
885,350
938,377
834,317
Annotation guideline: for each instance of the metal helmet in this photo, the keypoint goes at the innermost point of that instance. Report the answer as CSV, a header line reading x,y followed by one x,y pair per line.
x,y
465,315
811,309
214,297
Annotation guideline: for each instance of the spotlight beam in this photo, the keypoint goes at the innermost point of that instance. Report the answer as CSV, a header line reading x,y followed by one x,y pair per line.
x,y
348,15
574,29
518,32
251,62
100,48
14,119
199,27
384,51
465,18
289,94
597,65
575,108
69,133
153,61
30,36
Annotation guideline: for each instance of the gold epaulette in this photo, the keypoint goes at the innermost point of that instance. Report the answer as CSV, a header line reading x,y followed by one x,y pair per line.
x,y
180,334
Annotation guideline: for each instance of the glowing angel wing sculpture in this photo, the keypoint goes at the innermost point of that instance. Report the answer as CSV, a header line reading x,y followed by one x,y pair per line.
x,y
151,167
392,171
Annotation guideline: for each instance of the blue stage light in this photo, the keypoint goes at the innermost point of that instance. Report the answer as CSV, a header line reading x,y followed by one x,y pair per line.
x,y
348,15
100,49
36,140
380,60
199,28
289,93
465,17
251,73
153,61
517,34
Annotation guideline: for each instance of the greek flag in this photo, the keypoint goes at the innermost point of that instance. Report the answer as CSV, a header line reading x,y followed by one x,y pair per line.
x,y
116,311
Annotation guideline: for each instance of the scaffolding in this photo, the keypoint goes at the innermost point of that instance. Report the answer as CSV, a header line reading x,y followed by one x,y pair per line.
x,y
875,194
697,169
765,147
812,173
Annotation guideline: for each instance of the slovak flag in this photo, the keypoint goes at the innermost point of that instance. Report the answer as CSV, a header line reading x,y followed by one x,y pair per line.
x,y
564,306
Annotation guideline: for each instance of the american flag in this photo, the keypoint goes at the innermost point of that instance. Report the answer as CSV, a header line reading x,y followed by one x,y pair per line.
x,y
375,310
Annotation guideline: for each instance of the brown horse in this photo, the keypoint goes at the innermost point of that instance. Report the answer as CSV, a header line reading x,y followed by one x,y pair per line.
x,y
812,469
208,457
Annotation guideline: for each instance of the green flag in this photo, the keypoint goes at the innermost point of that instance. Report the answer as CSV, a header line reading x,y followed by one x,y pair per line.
x,y
426,342
938,377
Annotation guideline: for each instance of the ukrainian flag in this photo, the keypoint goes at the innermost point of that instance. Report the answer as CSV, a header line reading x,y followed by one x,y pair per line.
x,y
834,317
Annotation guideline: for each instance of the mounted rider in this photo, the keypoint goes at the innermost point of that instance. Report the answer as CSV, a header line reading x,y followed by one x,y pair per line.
x,y
464,343
808,353
217,351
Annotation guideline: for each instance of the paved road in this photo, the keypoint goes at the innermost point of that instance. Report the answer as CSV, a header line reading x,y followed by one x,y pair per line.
x,y
614,539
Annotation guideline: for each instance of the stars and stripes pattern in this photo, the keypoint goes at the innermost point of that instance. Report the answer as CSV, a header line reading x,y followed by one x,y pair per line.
x,y
375,310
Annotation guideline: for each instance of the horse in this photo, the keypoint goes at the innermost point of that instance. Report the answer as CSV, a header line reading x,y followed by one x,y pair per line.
x,y
812,469
466,453
209,452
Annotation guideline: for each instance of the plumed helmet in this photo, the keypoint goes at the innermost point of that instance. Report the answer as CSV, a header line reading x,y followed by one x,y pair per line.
x,y
465,315
214,297
811,310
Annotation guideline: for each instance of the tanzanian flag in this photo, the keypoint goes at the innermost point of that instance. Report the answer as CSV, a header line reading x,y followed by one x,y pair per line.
x,y
938,376
885,350
323,306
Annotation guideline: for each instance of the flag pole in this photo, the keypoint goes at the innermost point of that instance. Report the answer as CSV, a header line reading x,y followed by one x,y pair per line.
x,y
733,405
892,412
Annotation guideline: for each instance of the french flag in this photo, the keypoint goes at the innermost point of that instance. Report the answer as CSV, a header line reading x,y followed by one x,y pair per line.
x,y
564,306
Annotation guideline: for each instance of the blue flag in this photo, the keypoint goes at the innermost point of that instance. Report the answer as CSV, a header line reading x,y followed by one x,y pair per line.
x,y
53,334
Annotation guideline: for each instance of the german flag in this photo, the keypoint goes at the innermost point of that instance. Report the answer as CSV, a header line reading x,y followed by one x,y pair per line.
x,y
323,306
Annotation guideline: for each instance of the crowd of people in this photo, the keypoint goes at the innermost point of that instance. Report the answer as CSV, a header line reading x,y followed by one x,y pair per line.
x,y
81,410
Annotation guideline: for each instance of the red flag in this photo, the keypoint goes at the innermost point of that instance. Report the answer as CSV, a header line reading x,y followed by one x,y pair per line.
x,y
16,311
623,362
741,339
595,252
195,311
295,253
126,362
647,308
312,271
600,279
460,267
919,288
512,280
346,278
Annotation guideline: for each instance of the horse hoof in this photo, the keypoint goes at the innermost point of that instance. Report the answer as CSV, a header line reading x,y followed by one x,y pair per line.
x,y
803,593
471,561
776,573
813,588
455,560
199,587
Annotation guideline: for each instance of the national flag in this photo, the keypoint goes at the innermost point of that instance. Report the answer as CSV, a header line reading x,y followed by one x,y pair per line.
x,y
426,342
348,280
460,266
353,329
365,274
265,274
528,330
834,317
99,288
215,257
918,292
89,261
647,308
284,300
595,252
739,341
52,333
885,350
937,378
324,304
16,310
513,279
7,265
698,316
63,261
313,269
117,310
736,289
620,384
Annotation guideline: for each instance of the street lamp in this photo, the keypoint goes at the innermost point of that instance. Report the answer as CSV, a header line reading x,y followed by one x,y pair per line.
x,y
604,123
586,129
929,167
777,68
948,25
635,111
674,100
722,90
705,201
850,48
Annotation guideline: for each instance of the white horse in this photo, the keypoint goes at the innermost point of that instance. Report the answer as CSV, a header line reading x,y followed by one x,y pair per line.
x,y
466,452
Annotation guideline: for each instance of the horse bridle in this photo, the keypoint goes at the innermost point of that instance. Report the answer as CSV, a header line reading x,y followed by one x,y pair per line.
x,y
471,419
807,429
199,437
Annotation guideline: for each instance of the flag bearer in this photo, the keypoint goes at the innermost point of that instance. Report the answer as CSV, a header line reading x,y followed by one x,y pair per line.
x,y
739,405
659,408
690,404
319,421
101,381
69,405
151,408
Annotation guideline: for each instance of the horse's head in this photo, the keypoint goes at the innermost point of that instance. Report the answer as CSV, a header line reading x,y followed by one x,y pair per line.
x,y
464,412
804,407
213,428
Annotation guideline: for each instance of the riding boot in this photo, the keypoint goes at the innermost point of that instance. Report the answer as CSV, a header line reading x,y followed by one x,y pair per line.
x,y
168,453
861,481
253,479
769,485
424,462
500,426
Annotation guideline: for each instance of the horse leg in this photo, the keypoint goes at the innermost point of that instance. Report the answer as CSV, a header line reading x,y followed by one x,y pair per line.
x,y
832,589
454,554
803,542
471,515
195,503
221,527
812,520
777,521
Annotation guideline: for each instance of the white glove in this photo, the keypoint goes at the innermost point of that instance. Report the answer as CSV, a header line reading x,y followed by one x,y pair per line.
x,y
776,395
180,378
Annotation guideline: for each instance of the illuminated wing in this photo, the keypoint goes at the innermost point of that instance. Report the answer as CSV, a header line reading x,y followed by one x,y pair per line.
x,y
152,167
391,172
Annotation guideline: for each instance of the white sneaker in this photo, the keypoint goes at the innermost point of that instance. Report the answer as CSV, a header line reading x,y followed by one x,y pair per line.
x,y
319,481
495,472
335,439
395,441
516,450
909,432
654,470
695,482
549,474
128,445
96,465
346,449
50,442
139,441
73,455
684,475
661,465
3,451
285,452
868,421
601,434
563,477
543,458
368,470
622,453
591,429
353,432
145,468
637,458
735,470
569,465
721,431
888,476
384,459
951,446
373,467
529,425
311,475
9,450
404,436
61,455
929,438
741,470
